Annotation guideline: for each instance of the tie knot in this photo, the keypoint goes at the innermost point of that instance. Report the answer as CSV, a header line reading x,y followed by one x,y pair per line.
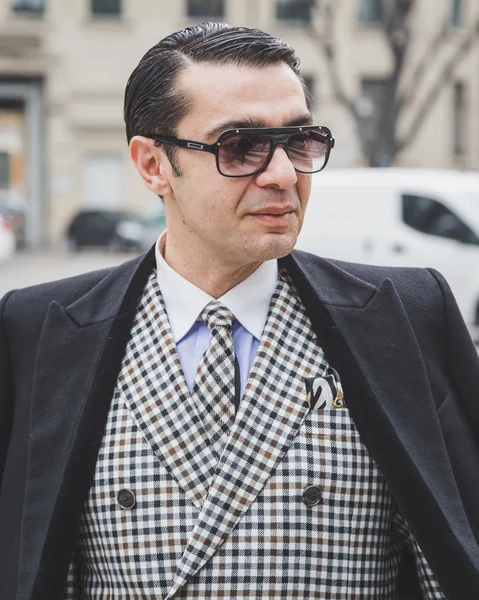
x,y
216,314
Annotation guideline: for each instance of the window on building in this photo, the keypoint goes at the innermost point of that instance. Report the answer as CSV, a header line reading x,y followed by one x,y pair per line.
x,y
106,8
4,170
206,8
294,10
28,6
459,119
430,216
103,185
457,13
372,99
370,11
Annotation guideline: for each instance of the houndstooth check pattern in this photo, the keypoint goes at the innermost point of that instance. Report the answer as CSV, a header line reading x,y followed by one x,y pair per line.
x,y
242,530
214,385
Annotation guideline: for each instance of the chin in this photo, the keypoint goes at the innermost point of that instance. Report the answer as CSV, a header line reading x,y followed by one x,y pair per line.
x,y
276,247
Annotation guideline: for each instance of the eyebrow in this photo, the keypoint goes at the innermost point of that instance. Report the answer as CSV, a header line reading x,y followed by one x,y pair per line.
x,y
215,132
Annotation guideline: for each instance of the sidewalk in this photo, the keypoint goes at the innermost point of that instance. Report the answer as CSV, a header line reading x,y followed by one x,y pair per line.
x,y
28,268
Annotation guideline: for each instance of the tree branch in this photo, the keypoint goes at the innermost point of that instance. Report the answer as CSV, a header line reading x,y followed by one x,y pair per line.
x,y
443,78
397,33
327,48
418,73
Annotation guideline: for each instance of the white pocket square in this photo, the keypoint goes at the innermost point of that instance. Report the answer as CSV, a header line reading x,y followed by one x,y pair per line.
x,y
325,391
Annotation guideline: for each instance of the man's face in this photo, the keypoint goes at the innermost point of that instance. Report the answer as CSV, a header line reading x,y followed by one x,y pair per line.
x,y
249,219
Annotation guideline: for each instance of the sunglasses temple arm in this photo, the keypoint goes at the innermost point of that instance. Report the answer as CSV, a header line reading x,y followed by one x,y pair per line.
x,y
189,144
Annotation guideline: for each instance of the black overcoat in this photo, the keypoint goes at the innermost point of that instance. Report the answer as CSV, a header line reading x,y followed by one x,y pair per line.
x,y
409,370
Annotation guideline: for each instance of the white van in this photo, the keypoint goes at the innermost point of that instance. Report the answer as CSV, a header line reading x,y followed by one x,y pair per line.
x,y
407,217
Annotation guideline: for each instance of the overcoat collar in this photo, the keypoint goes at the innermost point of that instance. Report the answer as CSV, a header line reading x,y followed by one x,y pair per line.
x,y
366,335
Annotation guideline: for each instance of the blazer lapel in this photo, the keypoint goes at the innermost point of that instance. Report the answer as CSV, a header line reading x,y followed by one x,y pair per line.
x,y
85,342
154,386
272,409
367,337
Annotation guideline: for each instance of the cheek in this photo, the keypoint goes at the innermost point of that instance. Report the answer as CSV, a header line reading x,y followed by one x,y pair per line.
x,y
206,196
221,198
213,204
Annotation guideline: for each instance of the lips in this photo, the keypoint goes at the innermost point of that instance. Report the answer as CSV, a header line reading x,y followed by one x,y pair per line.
x,y
274,210
276,218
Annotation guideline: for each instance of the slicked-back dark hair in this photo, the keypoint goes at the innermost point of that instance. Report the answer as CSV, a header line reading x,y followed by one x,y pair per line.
x,y
153,102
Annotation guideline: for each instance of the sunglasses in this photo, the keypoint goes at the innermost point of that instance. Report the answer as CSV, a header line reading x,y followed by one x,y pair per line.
x,y
246,152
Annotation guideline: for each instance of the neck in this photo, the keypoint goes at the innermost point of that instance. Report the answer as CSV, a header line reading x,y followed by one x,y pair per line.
x,y
209,273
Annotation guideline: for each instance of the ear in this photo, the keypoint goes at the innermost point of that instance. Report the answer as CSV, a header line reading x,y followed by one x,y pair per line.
x,y
152,164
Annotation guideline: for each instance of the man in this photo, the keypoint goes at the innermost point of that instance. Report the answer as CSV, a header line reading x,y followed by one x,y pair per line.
x,y
206,421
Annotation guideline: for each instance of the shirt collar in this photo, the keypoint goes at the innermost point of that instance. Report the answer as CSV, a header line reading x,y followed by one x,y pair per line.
x,y
248,301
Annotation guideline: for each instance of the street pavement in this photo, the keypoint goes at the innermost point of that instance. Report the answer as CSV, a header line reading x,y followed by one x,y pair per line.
x,y
30,268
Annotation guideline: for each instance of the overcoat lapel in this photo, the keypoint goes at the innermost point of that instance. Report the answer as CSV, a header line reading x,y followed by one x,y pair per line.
x,y
78,359
271,411
366,335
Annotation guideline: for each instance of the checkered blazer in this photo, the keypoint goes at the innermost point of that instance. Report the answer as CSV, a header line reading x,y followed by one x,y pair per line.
x,y
238,527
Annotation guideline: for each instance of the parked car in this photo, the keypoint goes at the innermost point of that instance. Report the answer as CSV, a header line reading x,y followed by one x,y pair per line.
x,y
7,240
154,222
116,230
407,217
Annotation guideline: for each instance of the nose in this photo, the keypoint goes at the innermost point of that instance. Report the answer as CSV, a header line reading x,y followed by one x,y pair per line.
x,y
279,173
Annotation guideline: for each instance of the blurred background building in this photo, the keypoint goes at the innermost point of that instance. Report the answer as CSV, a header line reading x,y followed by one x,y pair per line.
x,y
397,81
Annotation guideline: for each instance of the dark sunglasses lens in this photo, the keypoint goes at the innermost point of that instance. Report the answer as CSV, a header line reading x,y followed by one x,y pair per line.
x,y
243,153
307,150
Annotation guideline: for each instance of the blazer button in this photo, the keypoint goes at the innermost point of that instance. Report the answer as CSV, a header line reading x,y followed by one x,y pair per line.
x,y
126,499
312,495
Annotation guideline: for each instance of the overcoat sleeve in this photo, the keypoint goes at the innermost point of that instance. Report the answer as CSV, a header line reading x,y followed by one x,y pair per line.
x,y
462,357
459,410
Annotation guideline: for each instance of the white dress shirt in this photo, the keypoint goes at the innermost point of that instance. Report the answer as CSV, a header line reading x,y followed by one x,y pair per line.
x,y
249,302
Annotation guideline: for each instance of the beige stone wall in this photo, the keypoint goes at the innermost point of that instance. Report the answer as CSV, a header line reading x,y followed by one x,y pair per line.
x,y
12,141
85,63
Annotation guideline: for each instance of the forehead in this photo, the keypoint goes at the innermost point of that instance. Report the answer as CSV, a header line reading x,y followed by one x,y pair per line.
x,y
271,95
